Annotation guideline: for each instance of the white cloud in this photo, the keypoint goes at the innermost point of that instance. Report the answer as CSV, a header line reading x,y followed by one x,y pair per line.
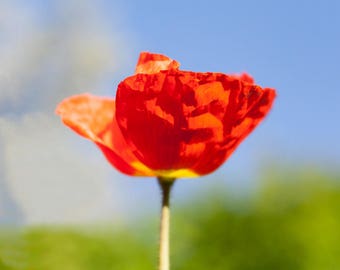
x,y
51,180
48,52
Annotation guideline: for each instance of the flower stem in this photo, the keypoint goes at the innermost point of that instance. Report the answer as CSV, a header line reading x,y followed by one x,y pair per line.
x,y
164,243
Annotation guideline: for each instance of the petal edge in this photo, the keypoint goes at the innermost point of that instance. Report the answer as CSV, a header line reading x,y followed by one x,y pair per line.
x,y
149,63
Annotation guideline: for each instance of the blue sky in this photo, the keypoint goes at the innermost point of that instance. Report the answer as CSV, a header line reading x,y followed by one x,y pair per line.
x,y
292,46
53,49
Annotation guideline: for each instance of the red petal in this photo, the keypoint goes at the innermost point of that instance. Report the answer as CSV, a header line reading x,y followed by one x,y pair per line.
x,y
149,63
245,77
185,120
235,132
94,118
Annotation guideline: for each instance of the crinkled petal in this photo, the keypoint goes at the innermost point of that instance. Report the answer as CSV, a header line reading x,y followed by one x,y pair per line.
x,y
235,132
149,63
245,78
185,120
94,118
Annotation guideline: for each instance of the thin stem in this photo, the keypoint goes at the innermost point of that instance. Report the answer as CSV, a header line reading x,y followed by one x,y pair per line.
x,y
164,243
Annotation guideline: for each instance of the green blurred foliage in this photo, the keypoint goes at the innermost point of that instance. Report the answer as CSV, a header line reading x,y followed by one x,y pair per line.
x,y
291,222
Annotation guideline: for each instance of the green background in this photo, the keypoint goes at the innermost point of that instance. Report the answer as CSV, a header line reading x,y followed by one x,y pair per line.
x,y
291,221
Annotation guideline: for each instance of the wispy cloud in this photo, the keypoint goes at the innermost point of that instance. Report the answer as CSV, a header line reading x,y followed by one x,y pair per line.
x,y
48,53
48,178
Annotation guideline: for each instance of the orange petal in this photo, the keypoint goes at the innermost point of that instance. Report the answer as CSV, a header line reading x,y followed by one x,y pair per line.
x,y
149,63
94,118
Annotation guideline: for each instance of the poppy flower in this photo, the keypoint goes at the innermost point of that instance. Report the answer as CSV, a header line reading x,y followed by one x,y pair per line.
x,y
169,123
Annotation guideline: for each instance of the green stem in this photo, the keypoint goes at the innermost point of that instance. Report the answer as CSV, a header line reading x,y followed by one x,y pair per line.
x,y
164,243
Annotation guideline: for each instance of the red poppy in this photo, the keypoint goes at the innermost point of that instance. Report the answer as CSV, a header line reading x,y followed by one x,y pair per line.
x,y
167,122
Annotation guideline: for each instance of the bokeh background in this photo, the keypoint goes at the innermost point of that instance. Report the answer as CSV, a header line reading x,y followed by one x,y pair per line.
x,y
273,205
